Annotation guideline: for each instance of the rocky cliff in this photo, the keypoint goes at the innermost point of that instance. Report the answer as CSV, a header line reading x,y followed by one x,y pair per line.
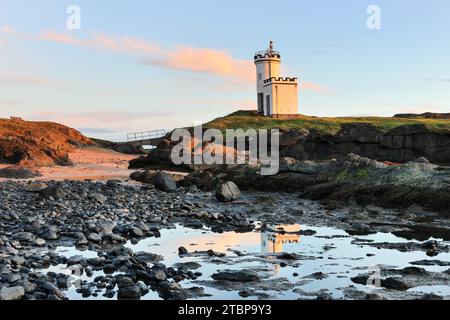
x,y
38,143
401,144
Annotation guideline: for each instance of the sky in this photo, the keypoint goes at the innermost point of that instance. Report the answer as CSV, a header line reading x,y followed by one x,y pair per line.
x,y
142,65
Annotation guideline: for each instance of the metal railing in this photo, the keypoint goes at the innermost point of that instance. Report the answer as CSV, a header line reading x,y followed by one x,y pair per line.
x,y
147,135
265,54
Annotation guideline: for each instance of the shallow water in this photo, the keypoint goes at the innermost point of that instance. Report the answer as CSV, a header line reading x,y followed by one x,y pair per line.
x,y
329,251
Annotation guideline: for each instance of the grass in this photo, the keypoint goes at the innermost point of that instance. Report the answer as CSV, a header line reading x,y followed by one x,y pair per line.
x,y
250,120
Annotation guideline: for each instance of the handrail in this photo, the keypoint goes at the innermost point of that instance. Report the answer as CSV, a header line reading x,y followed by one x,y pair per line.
x,y
146,135
266,52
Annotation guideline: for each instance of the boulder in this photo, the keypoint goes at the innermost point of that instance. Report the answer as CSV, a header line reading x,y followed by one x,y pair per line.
x,y
131,292
53,191
12,293
143,176
228,192
164,182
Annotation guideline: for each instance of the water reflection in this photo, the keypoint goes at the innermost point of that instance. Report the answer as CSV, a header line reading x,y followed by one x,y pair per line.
x,y
273,240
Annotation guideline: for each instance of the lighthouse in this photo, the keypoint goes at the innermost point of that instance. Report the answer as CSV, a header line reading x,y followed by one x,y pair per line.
x,y
277,96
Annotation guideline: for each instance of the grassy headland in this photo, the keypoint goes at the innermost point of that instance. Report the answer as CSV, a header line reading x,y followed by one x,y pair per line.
x,y
251,120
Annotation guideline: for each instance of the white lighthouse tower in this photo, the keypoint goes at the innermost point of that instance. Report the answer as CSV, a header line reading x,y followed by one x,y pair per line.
x,y
277,96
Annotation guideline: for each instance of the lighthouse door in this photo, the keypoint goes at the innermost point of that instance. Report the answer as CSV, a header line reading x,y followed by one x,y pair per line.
x,y
261,103
267,113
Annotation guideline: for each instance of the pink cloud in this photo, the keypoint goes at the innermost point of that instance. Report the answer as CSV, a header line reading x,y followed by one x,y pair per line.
x,y
203,60
8,30
211,61
198,60
310,86
60,38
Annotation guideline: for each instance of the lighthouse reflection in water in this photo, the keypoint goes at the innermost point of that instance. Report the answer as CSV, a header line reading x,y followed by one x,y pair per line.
x,y
274,239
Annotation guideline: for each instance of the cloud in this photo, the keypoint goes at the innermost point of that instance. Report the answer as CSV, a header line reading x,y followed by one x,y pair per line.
x,y
218,62
186,58
7,30
61,38
310,86
204,60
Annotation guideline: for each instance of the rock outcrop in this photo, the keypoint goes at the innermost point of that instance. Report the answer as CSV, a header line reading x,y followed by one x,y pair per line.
x,y
350,179
28,143
401,144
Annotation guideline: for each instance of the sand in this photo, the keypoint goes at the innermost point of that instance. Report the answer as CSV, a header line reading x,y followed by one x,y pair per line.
x,y
89,163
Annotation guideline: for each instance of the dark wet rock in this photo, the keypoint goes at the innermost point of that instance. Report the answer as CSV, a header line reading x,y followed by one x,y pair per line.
x,y
164,182
113,183
361,279
143,176
431,296
173,291
289,256
374,296
18,173
187,266
182,251
307,232
147,257
94,237
278,284
228,192
396,283
123,281
51,288
324,296
432,248
131,292
158,275
404,279
317,276
75,260
53,191
358,229
413,271
236,276
109,269
429,247
12,293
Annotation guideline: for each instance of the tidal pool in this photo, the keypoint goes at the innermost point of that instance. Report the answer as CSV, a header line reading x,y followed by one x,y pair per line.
x,y
330,258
